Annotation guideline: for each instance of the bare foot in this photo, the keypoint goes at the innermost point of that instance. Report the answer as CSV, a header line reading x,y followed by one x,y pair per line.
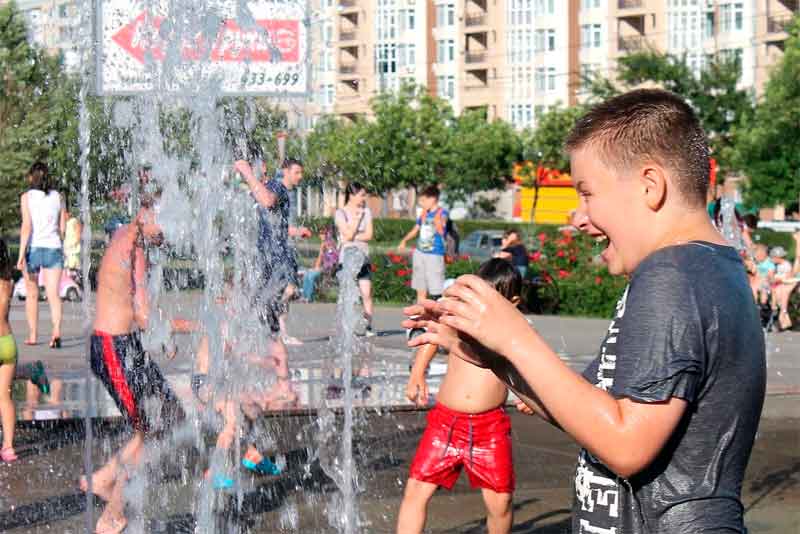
x,y
102,481
110,525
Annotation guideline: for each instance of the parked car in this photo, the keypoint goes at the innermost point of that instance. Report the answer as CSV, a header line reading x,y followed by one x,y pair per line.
x,y
68,288
481,245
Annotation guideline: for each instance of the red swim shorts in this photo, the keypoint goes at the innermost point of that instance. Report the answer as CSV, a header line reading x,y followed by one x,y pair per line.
x,y
481,443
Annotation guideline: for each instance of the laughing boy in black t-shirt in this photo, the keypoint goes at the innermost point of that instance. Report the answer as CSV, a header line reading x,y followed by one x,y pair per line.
x,y
668,412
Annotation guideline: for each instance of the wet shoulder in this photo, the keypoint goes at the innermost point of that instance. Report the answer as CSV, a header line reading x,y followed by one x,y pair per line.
x,y
696,259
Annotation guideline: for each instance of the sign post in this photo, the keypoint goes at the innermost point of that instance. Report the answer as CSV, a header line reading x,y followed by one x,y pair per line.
x,y
261,49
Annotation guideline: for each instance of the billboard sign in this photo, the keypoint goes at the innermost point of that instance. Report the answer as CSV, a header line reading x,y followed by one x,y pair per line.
x,y
258,47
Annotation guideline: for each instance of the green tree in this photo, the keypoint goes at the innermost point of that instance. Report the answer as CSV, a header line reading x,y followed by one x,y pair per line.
x,y
767,144
482,154
544,145
714,94
27,76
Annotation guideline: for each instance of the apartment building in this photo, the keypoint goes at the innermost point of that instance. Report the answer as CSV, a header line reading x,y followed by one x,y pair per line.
x,y
751,30
51,25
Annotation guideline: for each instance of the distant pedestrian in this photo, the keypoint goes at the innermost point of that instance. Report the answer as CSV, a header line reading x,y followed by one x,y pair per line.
x,y
514,251
354,226
427,276
43,225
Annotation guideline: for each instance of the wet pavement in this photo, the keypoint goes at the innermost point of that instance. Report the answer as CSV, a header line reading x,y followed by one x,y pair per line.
x,y
39,493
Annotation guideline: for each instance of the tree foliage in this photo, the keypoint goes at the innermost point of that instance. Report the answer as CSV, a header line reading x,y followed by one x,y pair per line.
x,y
545,144
714,94
767,144
415,140
25,108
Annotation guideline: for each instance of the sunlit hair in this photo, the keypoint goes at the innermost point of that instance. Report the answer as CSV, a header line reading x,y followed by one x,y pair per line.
x,y
353,188
648,125
503,276
39,176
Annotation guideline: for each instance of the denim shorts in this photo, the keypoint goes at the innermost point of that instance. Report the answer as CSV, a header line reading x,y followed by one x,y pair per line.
x,y
44,258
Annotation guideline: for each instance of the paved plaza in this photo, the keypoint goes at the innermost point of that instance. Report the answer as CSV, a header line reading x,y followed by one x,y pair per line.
x,y
39,493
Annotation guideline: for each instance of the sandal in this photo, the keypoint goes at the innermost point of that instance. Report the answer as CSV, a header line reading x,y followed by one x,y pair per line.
x,y
55,343
8,455
264,467
30,343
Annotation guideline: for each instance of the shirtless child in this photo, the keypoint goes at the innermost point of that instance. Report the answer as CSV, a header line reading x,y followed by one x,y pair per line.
x,y
467,428
119,361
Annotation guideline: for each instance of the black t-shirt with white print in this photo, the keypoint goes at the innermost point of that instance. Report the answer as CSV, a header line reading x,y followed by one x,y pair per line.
x,y
686,327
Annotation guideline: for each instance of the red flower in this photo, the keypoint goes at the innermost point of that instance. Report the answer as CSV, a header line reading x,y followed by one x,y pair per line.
x,y
374,268
394,258
573,259
561,254
402,272
547,278
464,257
535,257
407,283
542,237
562,274
598,280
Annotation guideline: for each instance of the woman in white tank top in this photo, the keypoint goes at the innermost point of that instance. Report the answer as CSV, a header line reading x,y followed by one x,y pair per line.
x,y
40,249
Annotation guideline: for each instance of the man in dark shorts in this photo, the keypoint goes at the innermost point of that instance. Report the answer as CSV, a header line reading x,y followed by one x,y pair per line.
x,y
276,260
132,379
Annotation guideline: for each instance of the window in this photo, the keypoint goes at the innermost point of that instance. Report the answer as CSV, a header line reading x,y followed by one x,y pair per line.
x,y
545,7
551,40
732,17
386,58
445,51
445,15
590,4
327,95
407,19
738,16
597,35
407,55
446,86
551,78
586,74
539,79
327,32
62,11
591,35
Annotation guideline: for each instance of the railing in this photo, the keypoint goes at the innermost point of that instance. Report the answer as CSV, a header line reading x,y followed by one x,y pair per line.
x,y
347,36
348,3
778,24
476,87
347,69
475,20
475,57
631,44
629,4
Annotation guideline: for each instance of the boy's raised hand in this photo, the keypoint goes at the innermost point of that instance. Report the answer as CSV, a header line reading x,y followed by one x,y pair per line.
x,y
417,390
476,309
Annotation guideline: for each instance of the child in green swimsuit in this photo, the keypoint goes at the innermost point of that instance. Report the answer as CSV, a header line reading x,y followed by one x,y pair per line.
x,y
8,357
8,360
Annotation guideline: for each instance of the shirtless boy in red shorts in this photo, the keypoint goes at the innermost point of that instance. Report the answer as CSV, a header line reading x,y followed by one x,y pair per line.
x,y
467,428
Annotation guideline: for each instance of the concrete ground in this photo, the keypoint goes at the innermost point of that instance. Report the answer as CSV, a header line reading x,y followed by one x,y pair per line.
x,y
38,494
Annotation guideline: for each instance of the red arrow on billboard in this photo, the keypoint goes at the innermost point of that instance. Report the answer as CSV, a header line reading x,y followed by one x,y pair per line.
x,y
274,41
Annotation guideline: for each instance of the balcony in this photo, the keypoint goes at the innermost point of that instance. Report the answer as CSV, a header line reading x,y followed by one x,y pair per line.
x,y
348,3
349,35
348,68
475,20
632,44
778,24
475,57
629,4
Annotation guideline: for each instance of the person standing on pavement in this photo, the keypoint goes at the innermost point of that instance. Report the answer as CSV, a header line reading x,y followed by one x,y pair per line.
x,y
43,225
354,226
275,259
428,272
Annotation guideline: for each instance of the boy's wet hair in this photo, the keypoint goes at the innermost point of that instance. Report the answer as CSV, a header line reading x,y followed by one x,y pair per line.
x,y
288,163
503,276
6,266
649,125
431,192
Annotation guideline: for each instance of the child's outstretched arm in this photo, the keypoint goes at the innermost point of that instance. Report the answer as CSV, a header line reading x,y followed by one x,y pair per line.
x,y
417,387
624,434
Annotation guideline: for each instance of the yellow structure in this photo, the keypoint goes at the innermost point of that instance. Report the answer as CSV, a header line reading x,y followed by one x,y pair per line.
x,y
554,205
